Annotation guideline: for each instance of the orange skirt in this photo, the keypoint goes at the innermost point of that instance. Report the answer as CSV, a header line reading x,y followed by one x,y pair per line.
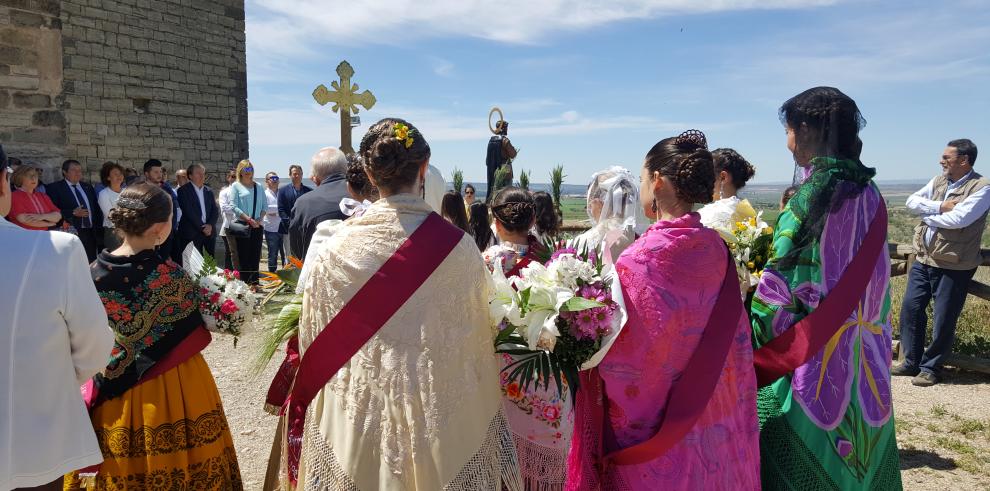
x,y
169,432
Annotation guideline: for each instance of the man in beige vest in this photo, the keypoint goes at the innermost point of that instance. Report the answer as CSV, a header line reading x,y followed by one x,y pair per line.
x,y
953,208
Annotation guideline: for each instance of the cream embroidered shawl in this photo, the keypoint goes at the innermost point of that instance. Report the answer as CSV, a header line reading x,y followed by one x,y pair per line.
x,y
419,406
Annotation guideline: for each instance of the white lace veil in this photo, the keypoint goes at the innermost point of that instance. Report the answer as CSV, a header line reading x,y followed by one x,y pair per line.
x,y
618,192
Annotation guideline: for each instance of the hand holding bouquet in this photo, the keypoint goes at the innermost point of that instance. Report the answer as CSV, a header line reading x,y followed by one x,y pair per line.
x,y
751,248
226,302
555,318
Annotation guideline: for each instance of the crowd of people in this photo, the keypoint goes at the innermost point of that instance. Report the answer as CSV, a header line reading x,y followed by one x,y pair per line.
x,y
396,382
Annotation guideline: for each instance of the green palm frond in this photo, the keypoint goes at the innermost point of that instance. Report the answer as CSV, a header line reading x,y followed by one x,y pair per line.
x,y
286,325
458,179
556,183
524,179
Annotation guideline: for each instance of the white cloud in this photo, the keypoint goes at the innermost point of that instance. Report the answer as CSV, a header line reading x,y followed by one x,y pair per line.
x,y
292,26
442,67
925,44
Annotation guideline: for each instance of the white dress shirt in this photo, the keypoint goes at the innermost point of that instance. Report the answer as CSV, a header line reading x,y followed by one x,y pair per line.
x,y
226,210
202,202
54,336
271,219
962,215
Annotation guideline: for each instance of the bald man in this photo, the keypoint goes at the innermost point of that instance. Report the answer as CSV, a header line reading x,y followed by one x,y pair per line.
x,y
323,203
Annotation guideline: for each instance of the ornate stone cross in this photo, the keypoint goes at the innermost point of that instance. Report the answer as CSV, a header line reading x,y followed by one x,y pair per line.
x,y
345,99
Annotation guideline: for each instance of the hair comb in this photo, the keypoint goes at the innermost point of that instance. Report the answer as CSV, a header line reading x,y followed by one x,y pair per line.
x,y
131,204
695,137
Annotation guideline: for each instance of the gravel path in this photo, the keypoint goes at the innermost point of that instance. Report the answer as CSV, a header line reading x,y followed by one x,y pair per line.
x,y
943,432
243,395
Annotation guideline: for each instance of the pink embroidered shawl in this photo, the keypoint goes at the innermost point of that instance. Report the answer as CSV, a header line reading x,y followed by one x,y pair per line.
x,y
671,277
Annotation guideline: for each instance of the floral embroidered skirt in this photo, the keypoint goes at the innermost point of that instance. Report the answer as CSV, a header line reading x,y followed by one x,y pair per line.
x,y
169,432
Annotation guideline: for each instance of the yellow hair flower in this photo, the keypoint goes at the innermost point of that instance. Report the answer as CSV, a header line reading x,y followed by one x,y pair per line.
x,y
403,134
750,265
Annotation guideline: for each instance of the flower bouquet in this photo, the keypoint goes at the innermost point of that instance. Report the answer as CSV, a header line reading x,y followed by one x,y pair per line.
x,y
750,246
556,318
226,302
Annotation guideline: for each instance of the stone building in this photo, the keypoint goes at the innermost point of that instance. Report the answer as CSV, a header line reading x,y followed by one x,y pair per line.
x,y
123,80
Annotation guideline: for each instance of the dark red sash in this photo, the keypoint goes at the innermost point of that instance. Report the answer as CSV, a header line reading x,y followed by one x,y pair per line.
x,y
690,394
195,342
361,318
795,346
278,391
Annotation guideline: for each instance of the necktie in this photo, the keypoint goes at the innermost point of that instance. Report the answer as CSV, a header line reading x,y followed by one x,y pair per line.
x,y
85,221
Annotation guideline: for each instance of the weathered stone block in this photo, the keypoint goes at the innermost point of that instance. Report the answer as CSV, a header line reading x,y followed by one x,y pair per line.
x,y
30,101
20,18
48,119
18,82
4,98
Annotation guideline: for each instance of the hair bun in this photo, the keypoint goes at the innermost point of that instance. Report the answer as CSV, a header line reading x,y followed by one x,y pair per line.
x,y
692,137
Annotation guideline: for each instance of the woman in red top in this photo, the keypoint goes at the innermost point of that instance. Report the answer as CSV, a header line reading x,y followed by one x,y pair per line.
x,y
28,209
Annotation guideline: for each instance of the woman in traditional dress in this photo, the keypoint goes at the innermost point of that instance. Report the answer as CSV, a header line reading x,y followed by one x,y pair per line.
x,y
397,386
613,199
155,408
672,403
732,172
541,419
827,423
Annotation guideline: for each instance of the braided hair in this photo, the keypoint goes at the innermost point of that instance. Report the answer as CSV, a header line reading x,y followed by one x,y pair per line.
x,y
393,162
686,161
513,208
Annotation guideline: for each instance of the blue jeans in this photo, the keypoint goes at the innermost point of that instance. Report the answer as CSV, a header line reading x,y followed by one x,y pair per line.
x,y
949,289
274,242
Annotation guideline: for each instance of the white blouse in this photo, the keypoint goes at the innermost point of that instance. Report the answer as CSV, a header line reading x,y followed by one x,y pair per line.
x,y
107,201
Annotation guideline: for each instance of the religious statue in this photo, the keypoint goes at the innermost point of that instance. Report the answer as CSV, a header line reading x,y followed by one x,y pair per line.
x,y
345,99
500,151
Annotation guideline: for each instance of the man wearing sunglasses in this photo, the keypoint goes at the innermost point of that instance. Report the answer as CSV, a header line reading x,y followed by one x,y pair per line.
x,y
272,223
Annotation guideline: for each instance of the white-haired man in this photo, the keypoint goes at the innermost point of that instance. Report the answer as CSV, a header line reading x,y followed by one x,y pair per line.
x,y
323,203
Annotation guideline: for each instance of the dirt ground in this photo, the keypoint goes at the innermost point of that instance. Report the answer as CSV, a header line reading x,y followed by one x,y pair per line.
x,y
943,431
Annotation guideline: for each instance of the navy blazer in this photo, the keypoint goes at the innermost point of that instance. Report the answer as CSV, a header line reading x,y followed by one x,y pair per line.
x,y
287,196
63,197
191,223
323,203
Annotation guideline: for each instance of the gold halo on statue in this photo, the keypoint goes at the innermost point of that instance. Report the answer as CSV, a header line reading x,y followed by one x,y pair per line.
x,y
501,117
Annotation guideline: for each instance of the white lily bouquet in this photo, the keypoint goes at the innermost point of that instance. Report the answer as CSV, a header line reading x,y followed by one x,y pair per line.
x,y
751,248
226,302
556,318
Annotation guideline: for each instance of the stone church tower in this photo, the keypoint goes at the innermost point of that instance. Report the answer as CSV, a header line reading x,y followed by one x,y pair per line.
x,y
125,81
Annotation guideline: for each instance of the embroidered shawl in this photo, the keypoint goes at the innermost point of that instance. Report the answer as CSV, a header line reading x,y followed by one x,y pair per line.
x,y
671,277
418,407
152,306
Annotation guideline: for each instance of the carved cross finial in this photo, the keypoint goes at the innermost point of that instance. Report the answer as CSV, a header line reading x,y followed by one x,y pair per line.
x,y
345,99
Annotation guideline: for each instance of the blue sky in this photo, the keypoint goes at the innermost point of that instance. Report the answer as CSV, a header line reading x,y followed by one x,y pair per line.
x,y
590,84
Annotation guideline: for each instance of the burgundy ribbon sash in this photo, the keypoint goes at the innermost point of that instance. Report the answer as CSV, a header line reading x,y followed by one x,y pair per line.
x,y
278,391
798,344
195,342
361,318
690,394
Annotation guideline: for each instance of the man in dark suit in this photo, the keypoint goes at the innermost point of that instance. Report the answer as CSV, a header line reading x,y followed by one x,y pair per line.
x,y
287,197
199,212
323,203
154,174
77,202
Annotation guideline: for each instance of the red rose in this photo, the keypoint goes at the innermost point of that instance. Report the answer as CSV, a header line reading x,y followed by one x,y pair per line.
x,y
228,307
551,413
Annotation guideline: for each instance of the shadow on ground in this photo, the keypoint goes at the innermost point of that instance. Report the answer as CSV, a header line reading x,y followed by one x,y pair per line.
x,y
913,459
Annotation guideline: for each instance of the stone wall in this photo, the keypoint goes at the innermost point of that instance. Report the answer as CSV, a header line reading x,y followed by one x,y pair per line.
x,y
126,80
32,124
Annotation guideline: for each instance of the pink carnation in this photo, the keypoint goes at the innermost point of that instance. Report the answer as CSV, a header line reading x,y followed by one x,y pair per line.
x,y
215,298
228,307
